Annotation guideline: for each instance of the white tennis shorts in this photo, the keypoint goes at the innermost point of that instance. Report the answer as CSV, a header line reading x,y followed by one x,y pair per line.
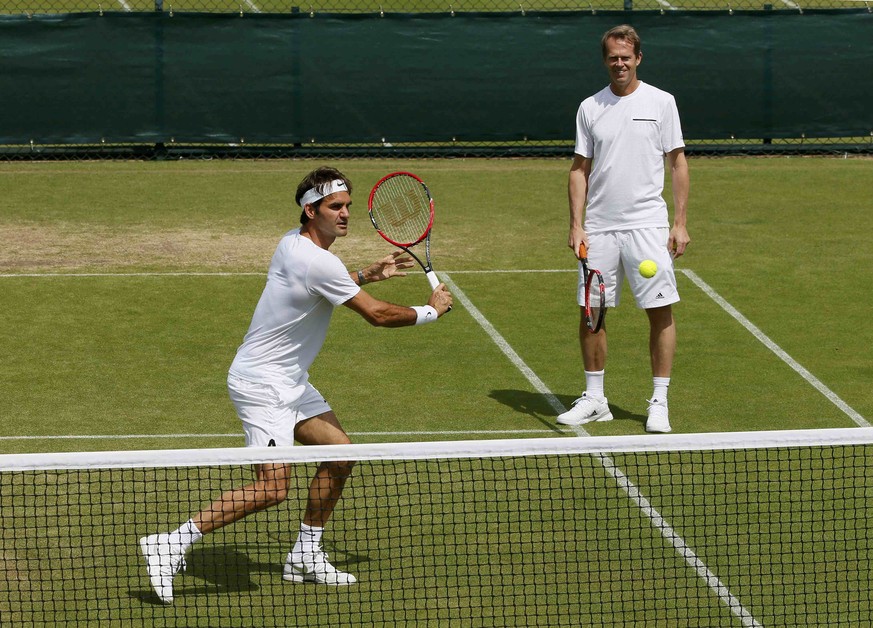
x,y
270,413
617,254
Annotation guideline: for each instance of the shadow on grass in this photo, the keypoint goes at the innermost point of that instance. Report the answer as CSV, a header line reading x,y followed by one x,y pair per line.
x,y
530,403
221,569
216,569
538,407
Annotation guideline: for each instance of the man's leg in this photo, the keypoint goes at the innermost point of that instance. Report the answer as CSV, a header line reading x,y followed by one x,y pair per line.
x,y
662,348
593,345
165,553
662,340
330,478
307,562
270,488
592,405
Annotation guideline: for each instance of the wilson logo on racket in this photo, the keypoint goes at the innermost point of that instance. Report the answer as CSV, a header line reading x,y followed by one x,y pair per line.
x,y
401,210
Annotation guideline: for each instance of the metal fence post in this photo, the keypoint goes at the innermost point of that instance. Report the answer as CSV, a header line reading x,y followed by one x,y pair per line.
x,y
159,150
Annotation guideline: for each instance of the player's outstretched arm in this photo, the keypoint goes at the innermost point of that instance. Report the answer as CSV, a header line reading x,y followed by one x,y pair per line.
x,y
392,265
385,314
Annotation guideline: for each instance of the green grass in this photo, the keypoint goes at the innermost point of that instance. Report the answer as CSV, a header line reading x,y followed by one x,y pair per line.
x,y
586,555
783,240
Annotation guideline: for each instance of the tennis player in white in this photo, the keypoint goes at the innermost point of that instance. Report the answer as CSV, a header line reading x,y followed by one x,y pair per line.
x,y
269,383
623,134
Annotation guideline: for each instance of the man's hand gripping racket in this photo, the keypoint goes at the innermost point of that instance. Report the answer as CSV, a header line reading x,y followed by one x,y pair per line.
x,y
402,211
595,311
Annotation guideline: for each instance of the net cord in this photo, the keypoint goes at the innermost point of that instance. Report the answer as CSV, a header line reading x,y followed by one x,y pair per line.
x,y
438,449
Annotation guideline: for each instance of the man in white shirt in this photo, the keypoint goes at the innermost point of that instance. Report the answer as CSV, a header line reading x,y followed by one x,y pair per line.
x,y
623,134
269,381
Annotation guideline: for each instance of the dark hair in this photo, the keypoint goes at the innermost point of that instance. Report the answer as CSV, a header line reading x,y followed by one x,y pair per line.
x,y
623,31
318,178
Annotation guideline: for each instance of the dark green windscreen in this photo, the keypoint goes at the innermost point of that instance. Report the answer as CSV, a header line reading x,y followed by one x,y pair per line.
x,y
427,78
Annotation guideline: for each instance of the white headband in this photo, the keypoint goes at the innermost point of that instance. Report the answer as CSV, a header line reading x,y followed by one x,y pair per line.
x,y
313,195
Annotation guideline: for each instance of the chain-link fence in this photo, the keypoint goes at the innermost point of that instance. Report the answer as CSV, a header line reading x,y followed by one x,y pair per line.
x,y
314,7
844,147
16,16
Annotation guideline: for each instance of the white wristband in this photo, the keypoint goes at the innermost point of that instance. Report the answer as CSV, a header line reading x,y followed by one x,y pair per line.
x,y
425,314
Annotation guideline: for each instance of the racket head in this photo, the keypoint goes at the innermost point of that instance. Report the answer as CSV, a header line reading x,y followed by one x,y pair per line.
x,y
401,209
595,304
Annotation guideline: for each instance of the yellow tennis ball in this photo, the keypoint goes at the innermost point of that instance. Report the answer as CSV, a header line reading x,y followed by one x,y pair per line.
x,y
648,268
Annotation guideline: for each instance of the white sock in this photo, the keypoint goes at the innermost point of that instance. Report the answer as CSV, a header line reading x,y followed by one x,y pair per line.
x,y
185,536
308,540
594,383
661,384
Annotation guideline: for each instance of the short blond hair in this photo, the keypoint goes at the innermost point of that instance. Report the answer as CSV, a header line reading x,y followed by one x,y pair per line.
x,y
625,32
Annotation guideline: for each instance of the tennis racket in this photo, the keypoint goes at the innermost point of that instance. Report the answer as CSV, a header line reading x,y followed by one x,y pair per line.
x,y
594,312
401,209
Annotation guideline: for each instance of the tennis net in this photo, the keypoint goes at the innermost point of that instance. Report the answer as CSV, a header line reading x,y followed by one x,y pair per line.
x,y
739,529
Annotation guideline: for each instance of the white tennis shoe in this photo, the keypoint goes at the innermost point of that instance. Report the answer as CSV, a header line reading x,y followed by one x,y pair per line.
x,y
163,562
659,417
314,567
585,410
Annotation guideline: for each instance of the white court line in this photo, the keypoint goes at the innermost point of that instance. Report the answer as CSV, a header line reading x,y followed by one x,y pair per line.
x,y
762,337
507,350
240,435
666,530
251,274
678,543
162,274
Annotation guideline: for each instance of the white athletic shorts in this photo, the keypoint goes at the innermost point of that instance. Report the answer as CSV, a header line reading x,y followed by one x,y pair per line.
x,y
617,254
266,413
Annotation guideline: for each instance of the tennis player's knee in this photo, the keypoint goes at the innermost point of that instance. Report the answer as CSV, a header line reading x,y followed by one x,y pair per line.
x,y
660,317
339,469
272,492
272,484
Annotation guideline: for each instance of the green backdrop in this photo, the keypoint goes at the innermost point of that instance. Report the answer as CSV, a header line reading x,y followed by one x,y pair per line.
x,y
120,78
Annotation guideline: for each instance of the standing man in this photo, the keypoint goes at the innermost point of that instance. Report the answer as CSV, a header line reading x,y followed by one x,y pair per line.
x,y
269,381
623,134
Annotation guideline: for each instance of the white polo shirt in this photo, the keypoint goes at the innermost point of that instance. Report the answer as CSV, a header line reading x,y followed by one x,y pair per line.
x,y
288,328
627,137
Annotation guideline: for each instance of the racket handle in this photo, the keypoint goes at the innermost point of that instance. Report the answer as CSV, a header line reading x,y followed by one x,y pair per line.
x,y
433,279
434,282
583,252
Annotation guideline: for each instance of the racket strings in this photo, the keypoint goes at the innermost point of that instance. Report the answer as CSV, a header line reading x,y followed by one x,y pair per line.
x,y
401,210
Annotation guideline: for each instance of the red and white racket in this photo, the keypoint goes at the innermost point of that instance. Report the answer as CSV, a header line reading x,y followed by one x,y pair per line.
x,y
401,209
596,311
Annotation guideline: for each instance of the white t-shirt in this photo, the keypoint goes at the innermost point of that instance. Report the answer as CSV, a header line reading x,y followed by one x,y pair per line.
x,y
288,328
627,138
